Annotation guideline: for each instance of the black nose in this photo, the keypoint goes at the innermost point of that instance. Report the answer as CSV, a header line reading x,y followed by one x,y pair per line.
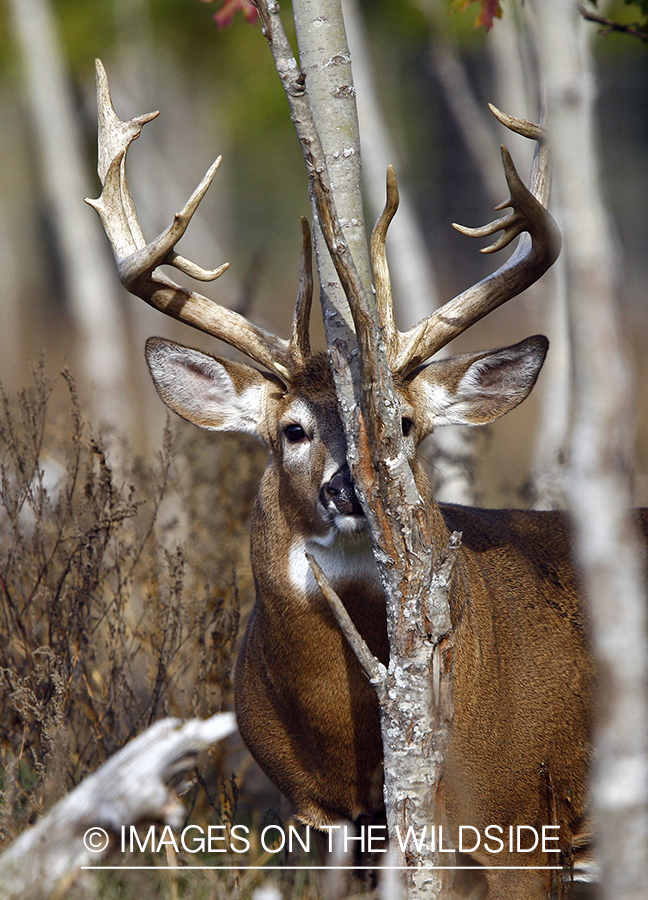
x,y
341,493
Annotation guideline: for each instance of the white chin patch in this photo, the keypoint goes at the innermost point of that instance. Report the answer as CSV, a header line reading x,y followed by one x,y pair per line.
x,y
344,555
349,524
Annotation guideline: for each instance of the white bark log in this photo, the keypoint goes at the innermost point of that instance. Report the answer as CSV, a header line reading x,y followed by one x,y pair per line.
x,y
129,788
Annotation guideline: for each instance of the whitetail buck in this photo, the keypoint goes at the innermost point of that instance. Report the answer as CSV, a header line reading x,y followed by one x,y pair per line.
x,y
523,674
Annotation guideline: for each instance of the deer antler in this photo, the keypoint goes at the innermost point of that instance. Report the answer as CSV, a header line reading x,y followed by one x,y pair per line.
x,y
537,250
138,262
300,338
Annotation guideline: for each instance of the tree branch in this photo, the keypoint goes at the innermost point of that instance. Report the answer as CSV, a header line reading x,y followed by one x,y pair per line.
x,y
609,25
373,668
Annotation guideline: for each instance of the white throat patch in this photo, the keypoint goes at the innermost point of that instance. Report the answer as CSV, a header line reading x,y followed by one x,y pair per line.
x,y
342,556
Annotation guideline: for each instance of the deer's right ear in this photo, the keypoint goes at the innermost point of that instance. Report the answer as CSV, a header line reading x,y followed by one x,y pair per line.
x,y
477,388
218,394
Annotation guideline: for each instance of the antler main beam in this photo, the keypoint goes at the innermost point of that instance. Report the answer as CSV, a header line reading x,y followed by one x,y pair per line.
x,y
138,262
537,250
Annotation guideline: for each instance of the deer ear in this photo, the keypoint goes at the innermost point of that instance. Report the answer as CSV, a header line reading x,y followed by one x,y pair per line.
x,y
477,388
218,394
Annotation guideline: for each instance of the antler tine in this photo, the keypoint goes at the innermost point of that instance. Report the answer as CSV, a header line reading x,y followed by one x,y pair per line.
x,y
138,261
537,250
300,348
540,178
382,280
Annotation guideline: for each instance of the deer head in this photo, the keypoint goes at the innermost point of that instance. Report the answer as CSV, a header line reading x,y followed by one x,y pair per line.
x,y
290,404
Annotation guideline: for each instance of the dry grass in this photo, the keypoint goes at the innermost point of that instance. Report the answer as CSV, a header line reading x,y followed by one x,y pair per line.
x,y
121,589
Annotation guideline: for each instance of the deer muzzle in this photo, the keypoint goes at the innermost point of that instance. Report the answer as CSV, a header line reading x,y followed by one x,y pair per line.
x,y
339,496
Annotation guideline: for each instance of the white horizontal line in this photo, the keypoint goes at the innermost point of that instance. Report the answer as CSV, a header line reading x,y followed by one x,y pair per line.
x,y
309,868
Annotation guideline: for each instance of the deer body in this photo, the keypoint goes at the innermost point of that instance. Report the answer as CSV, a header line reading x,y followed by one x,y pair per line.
x,y
522,666
523,674
522,680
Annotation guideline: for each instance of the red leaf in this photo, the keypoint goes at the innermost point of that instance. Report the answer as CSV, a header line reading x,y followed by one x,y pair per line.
x,y
490,10
225,16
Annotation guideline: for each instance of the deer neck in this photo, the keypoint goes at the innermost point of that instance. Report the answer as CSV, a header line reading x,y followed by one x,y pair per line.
x,y
283,573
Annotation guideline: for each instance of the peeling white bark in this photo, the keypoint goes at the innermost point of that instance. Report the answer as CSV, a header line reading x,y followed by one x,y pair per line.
x,y
415,735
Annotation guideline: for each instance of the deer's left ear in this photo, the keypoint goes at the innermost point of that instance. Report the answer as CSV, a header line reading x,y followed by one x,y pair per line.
x,y
477,388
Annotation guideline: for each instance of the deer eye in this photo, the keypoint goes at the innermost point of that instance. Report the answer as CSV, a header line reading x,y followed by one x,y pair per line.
x,y
294,433
407,426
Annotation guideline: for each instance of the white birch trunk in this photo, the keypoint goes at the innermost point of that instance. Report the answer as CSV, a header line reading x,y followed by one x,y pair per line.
x,y
415,290
598,484
413,280
415,733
